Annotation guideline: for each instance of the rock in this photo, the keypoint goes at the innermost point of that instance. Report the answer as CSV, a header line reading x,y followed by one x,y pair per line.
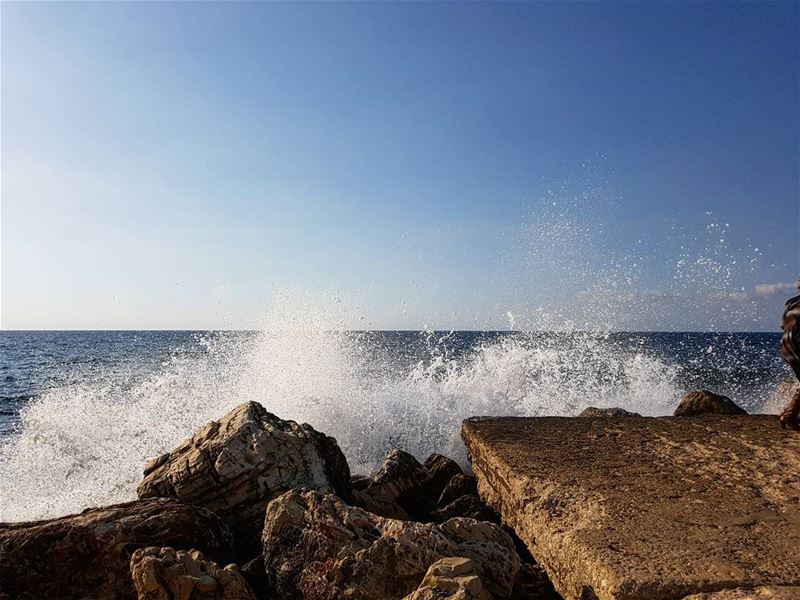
x,y
465,506
234,466
591,411
533,584
459,485
704,402
441,470
359,482
256,577
646,508
759,593
88,555
395,490
452,578
169,574
404,489
318,548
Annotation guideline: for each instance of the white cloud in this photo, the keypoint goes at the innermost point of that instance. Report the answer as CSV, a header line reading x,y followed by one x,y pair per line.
x,y
770,289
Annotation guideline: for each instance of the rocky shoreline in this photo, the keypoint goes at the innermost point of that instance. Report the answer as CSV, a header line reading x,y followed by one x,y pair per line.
x,y
256,507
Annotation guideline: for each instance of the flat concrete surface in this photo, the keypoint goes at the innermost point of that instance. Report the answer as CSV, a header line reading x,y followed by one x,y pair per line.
x,y
761,593
646,508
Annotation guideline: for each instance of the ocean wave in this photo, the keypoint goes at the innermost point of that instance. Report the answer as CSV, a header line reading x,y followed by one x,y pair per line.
x,y
86,443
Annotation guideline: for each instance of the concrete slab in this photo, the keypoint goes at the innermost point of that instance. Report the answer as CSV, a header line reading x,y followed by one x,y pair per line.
x,y
760,593
646,508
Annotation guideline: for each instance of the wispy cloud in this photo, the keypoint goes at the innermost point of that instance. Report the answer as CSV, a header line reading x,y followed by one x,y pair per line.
x,y
770,289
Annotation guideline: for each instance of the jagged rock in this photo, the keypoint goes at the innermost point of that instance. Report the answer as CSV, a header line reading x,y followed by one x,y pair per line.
x,y
395,490
359,482
234,466
452,579
169,574
402,488
592,411
704,402
459,485
441,470
87,555
318,548
465,506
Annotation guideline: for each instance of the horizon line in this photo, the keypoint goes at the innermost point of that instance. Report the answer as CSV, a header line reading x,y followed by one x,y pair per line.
x,y
450,330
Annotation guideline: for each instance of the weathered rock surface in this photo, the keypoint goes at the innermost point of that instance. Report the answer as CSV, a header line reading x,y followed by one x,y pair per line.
x,y
703,402
318,548
592,411
402,488
465,506
234,466
169,574
452,579
459,485
646,508
396,489
760,593
88,555
441,470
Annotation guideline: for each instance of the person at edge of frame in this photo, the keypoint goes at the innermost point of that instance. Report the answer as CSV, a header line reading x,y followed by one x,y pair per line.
x,y
790,350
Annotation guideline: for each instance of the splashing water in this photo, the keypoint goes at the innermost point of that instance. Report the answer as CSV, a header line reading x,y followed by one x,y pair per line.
x,y
86,444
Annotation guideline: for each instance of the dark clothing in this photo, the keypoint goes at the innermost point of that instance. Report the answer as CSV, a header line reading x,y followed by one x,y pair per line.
x,y
790,343
790,350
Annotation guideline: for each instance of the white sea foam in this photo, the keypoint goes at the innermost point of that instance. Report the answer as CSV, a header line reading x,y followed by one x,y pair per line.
x,y
86,444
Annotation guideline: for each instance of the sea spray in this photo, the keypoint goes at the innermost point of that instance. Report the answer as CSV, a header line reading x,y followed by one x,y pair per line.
x,y
86,444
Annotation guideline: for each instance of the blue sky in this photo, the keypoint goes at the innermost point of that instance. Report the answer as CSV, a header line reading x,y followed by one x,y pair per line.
x,y
174,165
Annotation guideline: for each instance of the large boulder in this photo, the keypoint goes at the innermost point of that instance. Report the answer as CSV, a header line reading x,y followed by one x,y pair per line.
x,y
703,402
316,547
169,574
452,578
236,465
88,555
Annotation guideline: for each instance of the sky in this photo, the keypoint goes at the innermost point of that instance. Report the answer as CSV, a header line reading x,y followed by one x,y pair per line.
x,y
442,165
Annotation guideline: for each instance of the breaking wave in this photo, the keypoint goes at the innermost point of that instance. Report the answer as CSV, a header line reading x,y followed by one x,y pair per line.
x,y
86,444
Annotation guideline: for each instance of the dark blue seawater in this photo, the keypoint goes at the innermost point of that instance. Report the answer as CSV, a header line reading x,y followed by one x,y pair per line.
x,y
81,412
745,365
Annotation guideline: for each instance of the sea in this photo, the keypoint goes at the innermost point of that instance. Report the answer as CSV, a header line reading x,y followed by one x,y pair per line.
x,y
82,412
